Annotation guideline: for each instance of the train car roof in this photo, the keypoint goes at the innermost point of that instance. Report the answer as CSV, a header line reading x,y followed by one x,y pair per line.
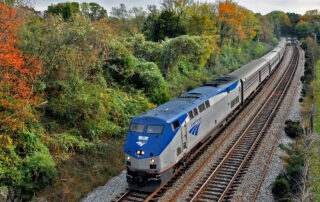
x,y
247,70
172,110
270,55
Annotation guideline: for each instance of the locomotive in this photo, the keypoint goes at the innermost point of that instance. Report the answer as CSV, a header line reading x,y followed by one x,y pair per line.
x,y
159,140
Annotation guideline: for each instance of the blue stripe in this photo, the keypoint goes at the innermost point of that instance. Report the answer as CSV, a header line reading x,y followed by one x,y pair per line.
x,y
250,85
197,129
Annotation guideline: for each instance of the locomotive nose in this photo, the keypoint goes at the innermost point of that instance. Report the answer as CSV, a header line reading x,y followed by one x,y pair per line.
x,y
140,179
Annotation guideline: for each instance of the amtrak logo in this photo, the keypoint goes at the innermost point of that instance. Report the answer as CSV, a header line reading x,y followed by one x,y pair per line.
x,y
195,127
140,143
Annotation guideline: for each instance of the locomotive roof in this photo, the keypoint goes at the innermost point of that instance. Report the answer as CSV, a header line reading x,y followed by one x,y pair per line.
x,y
172,110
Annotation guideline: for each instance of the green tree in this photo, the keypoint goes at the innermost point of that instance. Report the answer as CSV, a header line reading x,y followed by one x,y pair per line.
x,y
201,19
66,10
303,30
168,24
282,23
93,11
149,28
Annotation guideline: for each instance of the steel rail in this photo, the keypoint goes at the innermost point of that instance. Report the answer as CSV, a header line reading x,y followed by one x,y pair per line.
x,y
274,146
271,80
205,184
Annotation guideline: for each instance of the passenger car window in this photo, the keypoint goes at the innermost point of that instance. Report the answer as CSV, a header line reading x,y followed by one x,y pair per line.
x,y
154,129
138,128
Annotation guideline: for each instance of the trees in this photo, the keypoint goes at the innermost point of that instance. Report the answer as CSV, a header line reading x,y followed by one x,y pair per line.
x,y
18,75
201,19
175,4
93,11
229,22
303,30
282,23
131,21
66,10
266,28
167,24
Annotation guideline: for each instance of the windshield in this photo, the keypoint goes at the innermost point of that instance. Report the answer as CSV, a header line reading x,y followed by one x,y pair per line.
x,y
153,129
138,128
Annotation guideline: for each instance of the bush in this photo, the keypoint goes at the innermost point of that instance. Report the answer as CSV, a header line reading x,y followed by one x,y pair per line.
x,y
281,188
27,143
293,129
65,142
118,61
39,171
142,49
293,163
30,175
160,96
194,50
148,76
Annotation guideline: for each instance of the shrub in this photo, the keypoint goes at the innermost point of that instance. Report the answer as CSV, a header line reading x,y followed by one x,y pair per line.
x,y
32,174
39,171
148,76
160,96
194,50
142,49
294,162
293,129
27,143
118,61
281,188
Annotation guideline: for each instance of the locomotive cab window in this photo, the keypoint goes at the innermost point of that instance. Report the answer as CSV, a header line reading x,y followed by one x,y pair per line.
x,y
175,125
137,128
155,129
190,113
202,107
195,112
207,104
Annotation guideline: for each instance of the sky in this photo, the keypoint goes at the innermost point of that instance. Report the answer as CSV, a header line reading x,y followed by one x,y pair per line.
x,y
257,6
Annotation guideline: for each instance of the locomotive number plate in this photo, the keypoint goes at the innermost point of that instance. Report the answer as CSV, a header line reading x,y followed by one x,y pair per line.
x,y
143,138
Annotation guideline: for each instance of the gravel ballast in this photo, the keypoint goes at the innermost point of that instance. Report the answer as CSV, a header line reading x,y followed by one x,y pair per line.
x,y
113,188
252,178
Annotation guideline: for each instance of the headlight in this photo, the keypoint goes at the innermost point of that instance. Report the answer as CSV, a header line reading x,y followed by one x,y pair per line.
x,y
140,152
152,161
128,158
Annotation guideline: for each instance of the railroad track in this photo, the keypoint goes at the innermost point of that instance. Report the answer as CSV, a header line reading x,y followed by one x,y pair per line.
x,y
227,174
131,195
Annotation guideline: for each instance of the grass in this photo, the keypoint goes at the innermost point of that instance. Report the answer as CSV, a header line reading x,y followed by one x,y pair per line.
x,y
315,153
83,172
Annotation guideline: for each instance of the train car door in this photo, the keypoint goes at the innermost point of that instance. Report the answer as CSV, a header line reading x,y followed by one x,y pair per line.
x,y
184,136
260,76
241,91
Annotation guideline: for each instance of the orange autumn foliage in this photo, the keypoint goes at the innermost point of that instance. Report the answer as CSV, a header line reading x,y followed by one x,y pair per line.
x,y
18,72
301,21
309,38
230,19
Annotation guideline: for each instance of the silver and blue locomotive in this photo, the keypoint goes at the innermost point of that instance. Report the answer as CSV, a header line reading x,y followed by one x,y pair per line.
x,y
163,138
